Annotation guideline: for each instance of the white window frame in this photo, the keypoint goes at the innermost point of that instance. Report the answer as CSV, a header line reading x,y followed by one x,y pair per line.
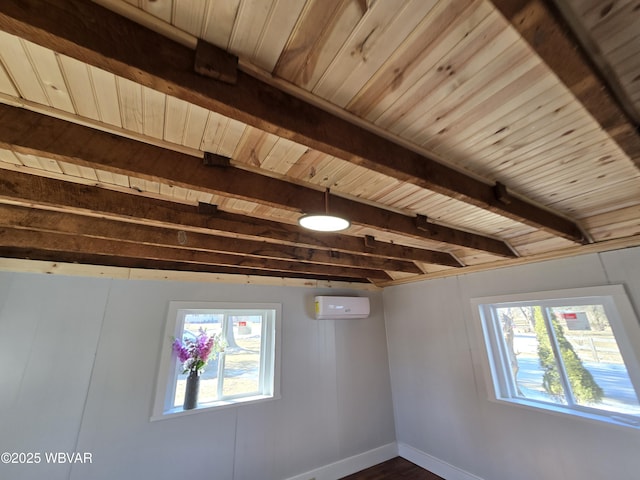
x,y
624,325
169,368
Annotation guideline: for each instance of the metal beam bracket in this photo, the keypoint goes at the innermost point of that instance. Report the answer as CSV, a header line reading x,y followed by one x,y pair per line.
x,y
213,62
422,223
215,160
207,208
369,241
501,194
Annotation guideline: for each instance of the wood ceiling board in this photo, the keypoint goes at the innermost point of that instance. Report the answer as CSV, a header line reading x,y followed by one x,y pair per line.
x,y
622,215
625,229
78,80
252,102
130,103
254,147
522,140
617,28
413,60
487,113
282,17
6,84
7,156
446,122
379,33
524,119
321,30
594,202
221,135
282,156
45,63
187,15
457,95
437,78
609,35
22,73
549,37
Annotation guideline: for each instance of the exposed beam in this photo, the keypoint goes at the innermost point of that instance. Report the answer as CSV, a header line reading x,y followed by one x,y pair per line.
x,y
24,189
540,24
36,134
122,47
581,34
126,262
94,227
58,242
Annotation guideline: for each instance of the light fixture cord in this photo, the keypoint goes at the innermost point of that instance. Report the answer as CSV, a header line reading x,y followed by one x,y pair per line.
x,y
326,201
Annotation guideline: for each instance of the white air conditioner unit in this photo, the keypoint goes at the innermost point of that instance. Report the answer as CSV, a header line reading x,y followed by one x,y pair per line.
x,y
331,308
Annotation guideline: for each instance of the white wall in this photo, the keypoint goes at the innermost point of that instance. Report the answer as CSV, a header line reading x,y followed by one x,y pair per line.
x,y
78,363
442,410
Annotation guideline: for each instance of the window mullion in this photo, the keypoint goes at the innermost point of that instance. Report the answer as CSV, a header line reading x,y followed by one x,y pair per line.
x,y
507,383
177,366
222,358
263,341
557,353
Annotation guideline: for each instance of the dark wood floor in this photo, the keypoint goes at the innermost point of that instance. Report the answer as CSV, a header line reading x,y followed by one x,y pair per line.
x,y
395,468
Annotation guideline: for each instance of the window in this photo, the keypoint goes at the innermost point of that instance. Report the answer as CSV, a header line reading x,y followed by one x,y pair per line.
x,y
569,351
246,370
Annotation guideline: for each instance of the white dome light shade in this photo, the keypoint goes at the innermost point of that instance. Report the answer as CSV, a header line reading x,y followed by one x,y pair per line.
x,y
323,222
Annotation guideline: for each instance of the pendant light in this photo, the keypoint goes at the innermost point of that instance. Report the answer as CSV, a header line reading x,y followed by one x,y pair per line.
x,y
324,222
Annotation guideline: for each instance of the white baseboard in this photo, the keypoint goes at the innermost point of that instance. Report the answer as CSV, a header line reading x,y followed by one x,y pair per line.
x,y
350,465
433,464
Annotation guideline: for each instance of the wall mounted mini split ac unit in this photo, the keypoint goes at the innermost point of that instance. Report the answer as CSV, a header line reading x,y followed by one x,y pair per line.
x,y
335,308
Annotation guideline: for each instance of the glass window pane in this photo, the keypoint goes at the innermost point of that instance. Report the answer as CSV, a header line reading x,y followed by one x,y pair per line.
x,y
242,355
245,370
593,362
532,365
210,323
569,351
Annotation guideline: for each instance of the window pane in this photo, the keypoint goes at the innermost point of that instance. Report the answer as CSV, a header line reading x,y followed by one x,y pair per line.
x,y
532,365
211,323
242,355
593,362
245,371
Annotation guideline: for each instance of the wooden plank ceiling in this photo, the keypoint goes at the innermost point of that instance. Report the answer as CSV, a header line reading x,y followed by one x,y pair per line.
x,y
191,135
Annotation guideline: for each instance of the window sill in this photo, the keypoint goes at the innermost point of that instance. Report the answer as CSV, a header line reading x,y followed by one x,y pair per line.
x,y
613,419
213,406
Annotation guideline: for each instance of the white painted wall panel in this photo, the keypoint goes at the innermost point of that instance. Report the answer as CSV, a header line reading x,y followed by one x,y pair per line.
x,y
362,371
335,385
441,399
623,267
48,337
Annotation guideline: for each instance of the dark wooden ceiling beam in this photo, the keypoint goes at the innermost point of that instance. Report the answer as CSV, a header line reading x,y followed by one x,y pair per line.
x,y
61,222
542,26
36,134
30,190
99,37
144,264
58,242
